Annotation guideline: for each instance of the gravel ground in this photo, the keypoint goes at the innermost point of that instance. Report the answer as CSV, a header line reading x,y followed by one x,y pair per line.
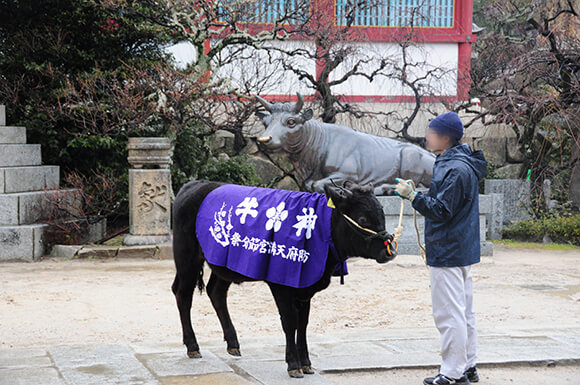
x,y
123,301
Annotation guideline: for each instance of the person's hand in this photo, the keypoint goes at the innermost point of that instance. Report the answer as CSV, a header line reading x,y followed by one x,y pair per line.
x,y
405,190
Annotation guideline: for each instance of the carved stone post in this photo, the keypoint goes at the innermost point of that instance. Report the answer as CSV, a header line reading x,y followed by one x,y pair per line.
x,y
149,191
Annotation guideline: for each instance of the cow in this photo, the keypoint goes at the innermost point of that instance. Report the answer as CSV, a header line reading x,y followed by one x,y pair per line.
x,y
357,227
321,152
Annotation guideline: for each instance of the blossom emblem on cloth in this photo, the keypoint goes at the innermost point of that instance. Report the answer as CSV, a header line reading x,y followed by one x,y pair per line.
x,y
276,215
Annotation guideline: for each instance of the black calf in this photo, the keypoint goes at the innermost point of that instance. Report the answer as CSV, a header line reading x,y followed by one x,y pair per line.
x,y
356,202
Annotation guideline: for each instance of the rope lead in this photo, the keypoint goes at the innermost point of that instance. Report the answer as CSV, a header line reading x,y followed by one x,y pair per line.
x,y
399,228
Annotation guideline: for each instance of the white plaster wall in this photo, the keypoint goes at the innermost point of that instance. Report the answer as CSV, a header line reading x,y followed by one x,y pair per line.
x,y
257,71
423,57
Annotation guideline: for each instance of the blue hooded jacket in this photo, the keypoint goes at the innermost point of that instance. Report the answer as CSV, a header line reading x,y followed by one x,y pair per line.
x,y
451,208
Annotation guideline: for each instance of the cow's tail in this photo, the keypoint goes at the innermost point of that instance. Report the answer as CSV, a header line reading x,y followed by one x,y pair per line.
x,y
200,282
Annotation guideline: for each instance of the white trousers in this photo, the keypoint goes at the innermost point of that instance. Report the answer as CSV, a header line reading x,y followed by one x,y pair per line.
x,y
452,298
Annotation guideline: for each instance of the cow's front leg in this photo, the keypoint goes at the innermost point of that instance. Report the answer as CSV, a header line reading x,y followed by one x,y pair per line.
x,y
285,301
303,315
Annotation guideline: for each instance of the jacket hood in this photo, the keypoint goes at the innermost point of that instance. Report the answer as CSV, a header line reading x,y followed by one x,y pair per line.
x,y
464,153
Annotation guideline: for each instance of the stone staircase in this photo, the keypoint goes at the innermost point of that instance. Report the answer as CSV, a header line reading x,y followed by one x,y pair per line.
x,y
28,193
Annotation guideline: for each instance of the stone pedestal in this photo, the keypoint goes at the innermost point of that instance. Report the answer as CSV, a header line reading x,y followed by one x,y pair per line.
x,y
149,191
516,197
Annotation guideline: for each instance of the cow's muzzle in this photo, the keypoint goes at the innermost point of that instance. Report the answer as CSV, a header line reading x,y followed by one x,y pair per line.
x,y
264,139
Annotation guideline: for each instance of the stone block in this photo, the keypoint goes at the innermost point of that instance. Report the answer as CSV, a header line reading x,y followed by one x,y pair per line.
x,y
513,152
251,148
274,372
178,364
222,140
494,149
20,155
34,207
14,358
12,135
21,243
150,203
495,217
8,210
516,197
100,365
2,115
509,171
486,249
30,376
100,252
65,251
266,170
485,204
287,183
23,179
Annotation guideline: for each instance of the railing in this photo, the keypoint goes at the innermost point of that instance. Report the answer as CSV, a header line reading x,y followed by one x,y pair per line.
x,y
264,11
397,13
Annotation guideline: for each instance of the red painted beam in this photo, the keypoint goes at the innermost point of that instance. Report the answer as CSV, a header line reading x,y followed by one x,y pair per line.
x,y
464,20
366,98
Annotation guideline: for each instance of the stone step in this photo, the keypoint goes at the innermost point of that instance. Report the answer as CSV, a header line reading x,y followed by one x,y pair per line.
x,y
38,206
30,178
2,115
12,135
22,243
20,155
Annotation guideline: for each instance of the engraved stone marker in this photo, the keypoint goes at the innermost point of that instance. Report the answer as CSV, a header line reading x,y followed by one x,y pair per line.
x,y
149,191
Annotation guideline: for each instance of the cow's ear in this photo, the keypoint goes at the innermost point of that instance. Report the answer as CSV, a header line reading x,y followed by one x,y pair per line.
x,y
308,114
262,114
337,198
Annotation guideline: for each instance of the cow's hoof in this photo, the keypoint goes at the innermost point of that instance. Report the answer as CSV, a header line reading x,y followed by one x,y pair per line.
x,y
307,369
296,373
235,352
194,354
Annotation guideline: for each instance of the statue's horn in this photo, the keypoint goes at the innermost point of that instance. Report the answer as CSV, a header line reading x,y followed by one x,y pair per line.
x,y
299,103
267,105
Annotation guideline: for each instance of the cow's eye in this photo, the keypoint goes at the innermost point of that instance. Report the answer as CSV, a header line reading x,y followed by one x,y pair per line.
x,y
291,122
362,221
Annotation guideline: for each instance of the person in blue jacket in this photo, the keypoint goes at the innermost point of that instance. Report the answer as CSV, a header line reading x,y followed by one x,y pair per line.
x,y
451,211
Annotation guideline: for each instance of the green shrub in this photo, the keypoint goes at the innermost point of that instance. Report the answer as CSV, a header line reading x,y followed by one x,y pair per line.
x,y
564,229
193,159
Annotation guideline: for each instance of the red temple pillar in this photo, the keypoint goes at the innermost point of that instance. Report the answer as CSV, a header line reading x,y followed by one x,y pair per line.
x,y
464,20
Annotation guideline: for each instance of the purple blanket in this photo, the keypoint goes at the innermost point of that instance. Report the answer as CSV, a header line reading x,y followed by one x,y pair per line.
x,y
278,236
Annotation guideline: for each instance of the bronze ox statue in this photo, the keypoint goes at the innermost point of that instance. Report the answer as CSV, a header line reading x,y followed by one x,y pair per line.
x,y
323,153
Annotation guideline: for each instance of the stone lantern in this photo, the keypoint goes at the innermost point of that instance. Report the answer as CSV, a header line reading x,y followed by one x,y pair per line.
x,y
149,191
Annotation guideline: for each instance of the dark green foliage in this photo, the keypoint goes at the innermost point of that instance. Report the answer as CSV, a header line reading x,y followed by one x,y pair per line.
x,y
192,159
560,229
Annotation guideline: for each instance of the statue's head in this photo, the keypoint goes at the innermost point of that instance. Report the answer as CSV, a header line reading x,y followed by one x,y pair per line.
x,y
284,124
